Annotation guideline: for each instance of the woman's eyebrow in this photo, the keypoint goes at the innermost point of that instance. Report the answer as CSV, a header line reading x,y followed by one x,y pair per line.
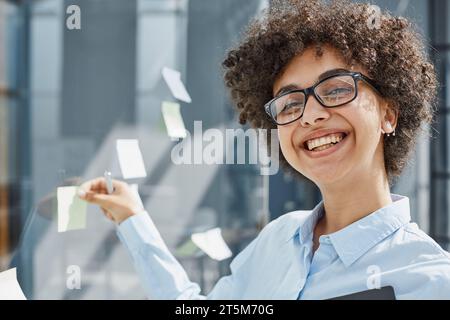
x,y
322,76
331,72
287,88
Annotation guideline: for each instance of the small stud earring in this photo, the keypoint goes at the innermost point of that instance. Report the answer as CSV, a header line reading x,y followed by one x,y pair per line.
x,y
388,125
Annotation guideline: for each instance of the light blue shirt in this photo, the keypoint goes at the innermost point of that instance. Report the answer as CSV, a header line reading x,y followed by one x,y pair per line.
x,y
381,249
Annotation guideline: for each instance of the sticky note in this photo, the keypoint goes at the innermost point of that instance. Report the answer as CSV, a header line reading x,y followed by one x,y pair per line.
x,y
176,86
212,243
9,286
130,157
71,210
173,120
187,249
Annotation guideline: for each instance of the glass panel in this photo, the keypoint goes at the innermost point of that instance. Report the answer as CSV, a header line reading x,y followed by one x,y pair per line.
x,y
441,198
67,95
9,209
92,86
441,23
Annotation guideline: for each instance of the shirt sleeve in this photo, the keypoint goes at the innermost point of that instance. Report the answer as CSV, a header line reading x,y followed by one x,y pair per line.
x,y
161,274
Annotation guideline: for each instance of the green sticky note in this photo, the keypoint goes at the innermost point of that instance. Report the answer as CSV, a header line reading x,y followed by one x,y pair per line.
x,y
187,249
71,210
173,120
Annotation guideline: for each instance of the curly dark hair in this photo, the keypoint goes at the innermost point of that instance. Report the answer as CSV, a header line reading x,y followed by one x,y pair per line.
x,y
393,53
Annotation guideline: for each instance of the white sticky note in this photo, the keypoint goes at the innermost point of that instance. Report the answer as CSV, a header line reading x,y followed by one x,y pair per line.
x,y
176,86
212,243
71,210
173,120
9,286
130,157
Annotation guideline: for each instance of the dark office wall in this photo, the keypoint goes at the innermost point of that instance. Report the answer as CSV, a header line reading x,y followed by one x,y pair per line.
x,y
440,144
99,68
212,27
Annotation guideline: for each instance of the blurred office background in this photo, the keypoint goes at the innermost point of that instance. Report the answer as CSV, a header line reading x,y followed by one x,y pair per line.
x,y
67,95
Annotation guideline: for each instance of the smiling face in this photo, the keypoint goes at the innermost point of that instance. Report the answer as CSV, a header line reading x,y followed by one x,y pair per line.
x,y
333,145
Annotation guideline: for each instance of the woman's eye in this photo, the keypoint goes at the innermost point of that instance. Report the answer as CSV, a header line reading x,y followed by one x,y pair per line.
x,y
291,107
339,91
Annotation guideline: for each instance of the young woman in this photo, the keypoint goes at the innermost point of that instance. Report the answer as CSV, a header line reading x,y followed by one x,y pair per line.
x,y
348,95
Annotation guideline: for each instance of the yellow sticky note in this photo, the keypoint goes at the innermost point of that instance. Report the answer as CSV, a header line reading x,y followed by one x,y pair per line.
x,y
187,249
71,210
173,120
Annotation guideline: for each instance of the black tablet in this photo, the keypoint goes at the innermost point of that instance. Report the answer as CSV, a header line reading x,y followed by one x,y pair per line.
x,y
384,293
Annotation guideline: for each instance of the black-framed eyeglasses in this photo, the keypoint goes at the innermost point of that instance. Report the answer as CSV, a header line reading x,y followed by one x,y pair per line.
x,y
330,92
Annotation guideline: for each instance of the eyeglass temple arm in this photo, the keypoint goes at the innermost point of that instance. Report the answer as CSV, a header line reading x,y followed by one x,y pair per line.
x,y
369,81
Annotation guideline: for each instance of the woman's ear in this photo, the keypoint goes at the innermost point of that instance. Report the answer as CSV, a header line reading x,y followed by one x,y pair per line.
x,y
389,119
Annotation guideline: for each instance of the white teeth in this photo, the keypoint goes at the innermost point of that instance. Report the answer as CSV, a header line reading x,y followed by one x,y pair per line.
x,y
323,147
320,143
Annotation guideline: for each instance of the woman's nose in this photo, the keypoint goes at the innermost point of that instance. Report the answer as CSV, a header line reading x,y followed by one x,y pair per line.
x,y
314,112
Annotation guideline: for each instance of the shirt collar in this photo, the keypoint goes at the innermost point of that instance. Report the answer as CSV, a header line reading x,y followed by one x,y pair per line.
x,y
368,231
305,223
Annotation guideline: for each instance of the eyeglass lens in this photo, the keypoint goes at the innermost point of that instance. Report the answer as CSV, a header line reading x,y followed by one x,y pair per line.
x,y
332,92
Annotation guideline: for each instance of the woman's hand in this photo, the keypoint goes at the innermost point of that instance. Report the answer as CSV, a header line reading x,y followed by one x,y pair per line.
x,y
118,206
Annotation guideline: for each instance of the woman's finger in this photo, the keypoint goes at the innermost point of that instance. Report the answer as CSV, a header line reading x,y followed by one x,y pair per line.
x,y
107,214
96,185
101,199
